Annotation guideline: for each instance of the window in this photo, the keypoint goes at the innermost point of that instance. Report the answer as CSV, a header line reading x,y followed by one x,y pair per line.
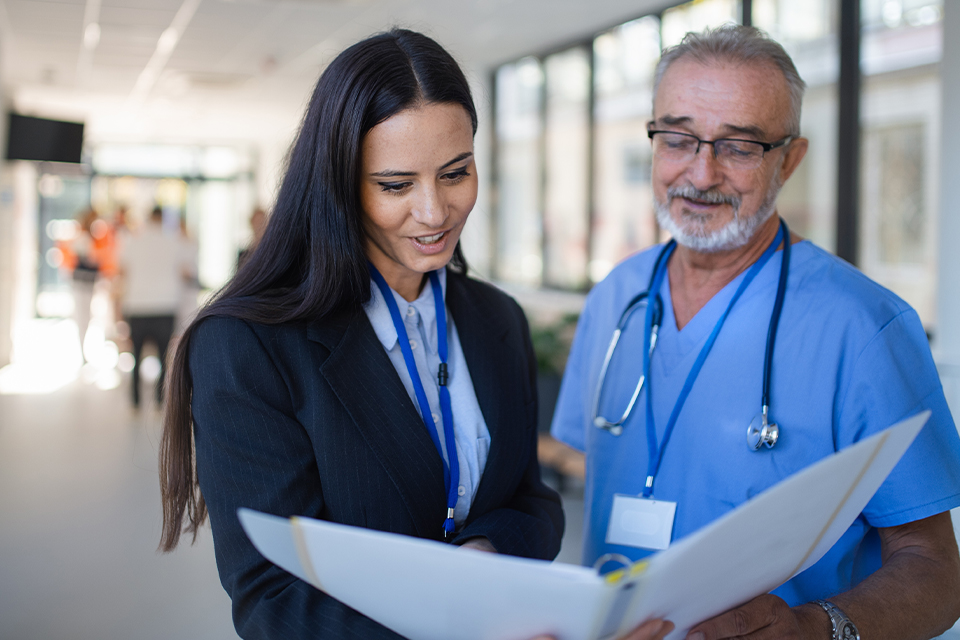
x,y
696,16
567,158
624,222
519,131
807,29
902,43
572,158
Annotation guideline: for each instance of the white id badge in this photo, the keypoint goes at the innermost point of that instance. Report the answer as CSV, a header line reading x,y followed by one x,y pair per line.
x,y
641,522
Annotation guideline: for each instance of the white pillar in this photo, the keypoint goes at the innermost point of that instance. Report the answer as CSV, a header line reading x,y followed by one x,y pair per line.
x,y
6,265
947,339
946,344
6,247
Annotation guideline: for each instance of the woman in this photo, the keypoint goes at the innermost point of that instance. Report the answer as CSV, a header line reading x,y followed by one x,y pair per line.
x,y
311,396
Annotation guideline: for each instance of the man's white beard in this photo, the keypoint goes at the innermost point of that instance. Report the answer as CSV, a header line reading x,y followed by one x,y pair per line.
x,y
691,233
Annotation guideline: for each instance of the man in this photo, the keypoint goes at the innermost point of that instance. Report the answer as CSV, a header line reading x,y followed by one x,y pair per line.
x,y
153,267
850,359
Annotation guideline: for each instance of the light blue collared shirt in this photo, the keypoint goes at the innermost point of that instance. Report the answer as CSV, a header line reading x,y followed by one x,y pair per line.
x,y
469,428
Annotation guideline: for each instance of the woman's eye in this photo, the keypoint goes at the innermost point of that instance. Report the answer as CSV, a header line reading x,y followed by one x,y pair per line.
x,y
456,176
393,187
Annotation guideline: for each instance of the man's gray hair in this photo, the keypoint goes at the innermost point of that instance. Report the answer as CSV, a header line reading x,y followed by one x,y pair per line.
x,y
738,44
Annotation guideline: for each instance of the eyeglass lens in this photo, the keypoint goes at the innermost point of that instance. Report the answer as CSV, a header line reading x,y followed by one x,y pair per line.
x,y
733,154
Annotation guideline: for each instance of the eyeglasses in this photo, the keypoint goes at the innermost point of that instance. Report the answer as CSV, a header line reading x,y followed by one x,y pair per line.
x,y
731,153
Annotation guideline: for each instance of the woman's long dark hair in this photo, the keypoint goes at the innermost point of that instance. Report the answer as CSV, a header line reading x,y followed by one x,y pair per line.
x,y
310,262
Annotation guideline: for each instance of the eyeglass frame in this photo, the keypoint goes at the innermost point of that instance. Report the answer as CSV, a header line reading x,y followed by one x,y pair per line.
x,y
766,146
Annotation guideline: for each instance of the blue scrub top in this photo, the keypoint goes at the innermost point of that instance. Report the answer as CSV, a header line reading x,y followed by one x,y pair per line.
x,y
851,359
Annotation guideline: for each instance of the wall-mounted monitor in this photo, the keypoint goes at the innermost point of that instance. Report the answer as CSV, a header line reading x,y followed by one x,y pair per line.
x,y
30,138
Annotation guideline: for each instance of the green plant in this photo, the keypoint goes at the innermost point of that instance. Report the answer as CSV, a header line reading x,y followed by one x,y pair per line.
x,y
551,344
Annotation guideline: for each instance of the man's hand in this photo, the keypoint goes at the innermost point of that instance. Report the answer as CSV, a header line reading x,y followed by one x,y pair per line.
x,y
765,617
915,595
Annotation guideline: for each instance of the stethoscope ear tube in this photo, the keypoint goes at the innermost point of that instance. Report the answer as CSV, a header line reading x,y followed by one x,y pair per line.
x,y
616,428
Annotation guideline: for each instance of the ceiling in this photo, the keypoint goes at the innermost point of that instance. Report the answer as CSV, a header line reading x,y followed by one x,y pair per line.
x,y
204,70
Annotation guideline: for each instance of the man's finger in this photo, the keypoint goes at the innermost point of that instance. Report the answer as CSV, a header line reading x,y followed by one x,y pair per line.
x,y
760,612
650,630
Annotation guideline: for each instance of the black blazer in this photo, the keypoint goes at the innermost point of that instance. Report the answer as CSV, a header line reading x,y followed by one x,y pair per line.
x,y
313,420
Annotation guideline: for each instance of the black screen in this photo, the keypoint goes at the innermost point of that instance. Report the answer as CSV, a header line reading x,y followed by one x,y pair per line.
x,y
45,140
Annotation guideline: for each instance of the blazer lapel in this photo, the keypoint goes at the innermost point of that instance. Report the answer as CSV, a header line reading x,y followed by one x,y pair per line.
x,y
498,380
365,381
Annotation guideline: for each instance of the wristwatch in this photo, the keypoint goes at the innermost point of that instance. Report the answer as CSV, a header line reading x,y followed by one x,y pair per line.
x,y
843,627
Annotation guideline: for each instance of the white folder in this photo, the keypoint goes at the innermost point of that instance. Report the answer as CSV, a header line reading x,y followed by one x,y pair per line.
x,y
428,590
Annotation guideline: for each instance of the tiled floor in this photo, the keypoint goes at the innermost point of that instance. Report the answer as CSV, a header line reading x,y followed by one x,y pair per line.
x,y
80,521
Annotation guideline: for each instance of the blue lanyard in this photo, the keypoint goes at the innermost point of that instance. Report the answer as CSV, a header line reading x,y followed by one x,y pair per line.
x,y
655,452
451,471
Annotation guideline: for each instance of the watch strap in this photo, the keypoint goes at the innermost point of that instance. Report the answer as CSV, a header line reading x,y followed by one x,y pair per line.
x,y
842,626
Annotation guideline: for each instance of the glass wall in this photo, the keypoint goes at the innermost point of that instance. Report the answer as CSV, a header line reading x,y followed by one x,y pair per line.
x,y
624,222
900,117
572,158
697,16
567,157
808,29
519,134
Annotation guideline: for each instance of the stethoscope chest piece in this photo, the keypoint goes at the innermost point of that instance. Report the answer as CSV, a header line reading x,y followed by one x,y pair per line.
x,y
762,432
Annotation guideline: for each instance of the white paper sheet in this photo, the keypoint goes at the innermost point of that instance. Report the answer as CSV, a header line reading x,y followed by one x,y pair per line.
x,y
773,537
431,591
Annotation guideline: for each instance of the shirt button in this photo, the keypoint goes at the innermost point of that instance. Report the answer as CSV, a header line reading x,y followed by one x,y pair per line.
x,y
461,490
411,311
436,418
413,344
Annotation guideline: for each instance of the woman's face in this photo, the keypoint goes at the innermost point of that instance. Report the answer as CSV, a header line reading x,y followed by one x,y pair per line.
x,y
418,184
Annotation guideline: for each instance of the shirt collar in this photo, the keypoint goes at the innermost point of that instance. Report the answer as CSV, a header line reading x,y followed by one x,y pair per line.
x,y
379,314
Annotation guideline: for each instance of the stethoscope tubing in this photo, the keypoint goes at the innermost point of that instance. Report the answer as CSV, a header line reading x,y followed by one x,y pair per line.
x,y
599,421
616,428
775,318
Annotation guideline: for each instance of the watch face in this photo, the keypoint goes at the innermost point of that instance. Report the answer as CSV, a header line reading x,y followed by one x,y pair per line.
x,y
849,632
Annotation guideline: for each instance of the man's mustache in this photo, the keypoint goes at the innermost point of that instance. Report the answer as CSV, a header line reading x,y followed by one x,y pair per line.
x,y
710,196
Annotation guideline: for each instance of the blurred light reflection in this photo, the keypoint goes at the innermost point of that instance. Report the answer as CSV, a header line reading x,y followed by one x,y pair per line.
x,y
47,357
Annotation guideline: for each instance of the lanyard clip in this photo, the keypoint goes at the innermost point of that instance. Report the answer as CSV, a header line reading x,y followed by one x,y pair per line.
x,y
442,376
448,525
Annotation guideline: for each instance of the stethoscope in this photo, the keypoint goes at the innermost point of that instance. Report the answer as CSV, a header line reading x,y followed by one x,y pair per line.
x,y
761,431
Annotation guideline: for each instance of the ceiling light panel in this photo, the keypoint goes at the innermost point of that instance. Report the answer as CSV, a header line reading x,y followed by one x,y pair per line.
x,y
136,17
45,18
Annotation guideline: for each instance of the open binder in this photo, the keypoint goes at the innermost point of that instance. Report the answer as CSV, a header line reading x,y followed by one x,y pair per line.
x,y
428,590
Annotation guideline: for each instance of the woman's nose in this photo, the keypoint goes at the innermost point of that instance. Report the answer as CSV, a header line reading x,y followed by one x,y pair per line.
x,y
430,208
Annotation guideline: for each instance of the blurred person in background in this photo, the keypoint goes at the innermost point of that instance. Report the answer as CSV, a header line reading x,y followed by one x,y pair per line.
x,y
120,231
258,224
190,286
153,265
323,362
83,260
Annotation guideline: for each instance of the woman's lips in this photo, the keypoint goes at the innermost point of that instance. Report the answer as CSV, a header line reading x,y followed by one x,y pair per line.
x,y
432,244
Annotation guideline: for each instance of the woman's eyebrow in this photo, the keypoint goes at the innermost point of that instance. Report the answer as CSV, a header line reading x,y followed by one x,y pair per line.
x,y
390,173
459,158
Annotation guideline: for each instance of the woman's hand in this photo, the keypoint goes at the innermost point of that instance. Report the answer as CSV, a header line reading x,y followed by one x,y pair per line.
x,y
649,630
480,544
